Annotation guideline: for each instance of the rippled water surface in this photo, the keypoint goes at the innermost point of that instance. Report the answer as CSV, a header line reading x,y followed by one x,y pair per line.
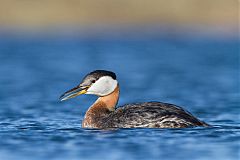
x,y
198,73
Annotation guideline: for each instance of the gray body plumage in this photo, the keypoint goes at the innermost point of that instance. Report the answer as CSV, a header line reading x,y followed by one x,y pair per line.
x,y
149,115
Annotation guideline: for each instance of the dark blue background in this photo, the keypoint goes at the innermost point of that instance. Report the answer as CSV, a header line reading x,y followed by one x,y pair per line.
x,y
200,73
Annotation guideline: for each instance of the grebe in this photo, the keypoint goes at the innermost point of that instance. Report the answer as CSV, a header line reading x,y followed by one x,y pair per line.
x,y
102,114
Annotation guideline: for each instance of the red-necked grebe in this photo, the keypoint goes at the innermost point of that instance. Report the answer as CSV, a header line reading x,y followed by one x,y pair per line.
x,y
102,114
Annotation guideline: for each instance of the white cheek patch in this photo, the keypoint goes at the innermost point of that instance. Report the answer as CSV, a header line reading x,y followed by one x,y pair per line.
x,y
103,86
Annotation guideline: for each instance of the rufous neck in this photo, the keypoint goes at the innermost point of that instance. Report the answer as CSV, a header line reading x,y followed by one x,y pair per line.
x,y
109,101
102,107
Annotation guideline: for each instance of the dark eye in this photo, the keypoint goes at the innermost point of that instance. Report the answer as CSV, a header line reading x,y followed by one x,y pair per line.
x,y
93,81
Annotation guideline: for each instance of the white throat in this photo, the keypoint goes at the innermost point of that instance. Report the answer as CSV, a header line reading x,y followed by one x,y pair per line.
x,y
103,86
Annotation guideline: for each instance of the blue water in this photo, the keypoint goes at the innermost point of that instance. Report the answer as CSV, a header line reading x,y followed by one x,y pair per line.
x,y
200,73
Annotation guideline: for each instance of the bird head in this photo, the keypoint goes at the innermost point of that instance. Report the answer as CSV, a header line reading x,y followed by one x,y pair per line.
x,y
98,82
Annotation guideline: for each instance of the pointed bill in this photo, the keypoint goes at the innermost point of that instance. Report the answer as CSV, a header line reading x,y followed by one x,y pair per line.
x,y
73,93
